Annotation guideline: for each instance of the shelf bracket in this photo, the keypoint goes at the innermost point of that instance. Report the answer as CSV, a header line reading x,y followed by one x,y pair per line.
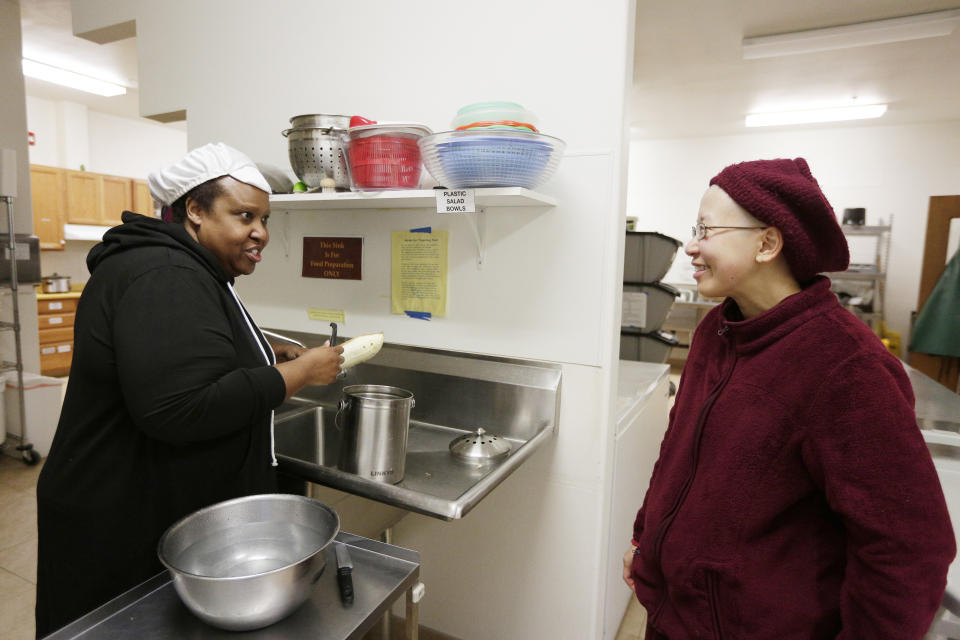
x,y
478,224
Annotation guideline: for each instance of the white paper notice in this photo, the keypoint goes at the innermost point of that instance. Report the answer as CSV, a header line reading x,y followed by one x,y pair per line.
x,y
456,201
634,309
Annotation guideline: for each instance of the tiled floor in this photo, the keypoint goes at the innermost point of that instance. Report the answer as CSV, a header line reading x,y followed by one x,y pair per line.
x,y
18,547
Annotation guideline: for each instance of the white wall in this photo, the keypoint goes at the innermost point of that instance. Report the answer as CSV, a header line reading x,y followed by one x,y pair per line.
x,y
72,261
550,287
13,135
68,135
132,148
890,170
42,122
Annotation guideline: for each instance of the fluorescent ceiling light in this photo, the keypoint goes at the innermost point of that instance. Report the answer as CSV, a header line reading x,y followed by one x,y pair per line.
x,y
806,116
72,79
923,25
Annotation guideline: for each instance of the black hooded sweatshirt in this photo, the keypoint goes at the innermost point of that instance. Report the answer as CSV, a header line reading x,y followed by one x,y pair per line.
x,y
167,410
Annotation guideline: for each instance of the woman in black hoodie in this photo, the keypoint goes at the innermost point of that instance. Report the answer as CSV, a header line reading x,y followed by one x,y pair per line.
x,y
169,404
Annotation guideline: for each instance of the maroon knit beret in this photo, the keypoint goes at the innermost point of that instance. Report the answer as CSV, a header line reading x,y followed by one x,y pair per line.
x,y
784,194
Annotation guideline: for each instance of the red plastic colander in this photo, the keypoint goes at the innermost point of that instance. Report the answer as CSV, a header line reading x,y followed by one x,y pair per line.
x,y
385,156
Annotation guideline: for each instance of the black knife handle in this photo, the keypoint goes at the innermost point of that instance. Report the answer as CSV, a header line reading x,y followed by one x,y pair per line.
x,y
345,580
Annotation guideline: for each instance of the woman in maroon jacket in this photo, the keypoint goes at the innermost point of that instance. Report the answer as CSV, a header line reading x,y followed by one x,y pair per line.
x,y
794,497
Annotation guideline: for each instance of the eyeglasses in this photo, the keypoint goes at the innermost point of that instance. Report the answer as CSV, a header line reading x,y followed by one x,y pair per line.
x,y
699,230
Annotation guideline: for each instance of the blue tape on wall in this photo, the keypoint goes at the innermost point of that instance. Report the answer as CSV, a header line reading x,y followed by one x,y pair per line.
x,y
419,315
420,230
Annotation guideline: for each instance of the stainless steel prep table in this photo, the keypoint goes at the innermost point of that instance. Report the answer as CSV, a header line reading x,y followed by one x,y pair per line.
x,y
153,611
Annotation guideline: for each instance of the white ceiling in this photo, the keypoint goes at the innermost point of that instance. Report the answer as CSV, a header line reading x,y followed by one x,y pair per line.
x,y
48,37
689,79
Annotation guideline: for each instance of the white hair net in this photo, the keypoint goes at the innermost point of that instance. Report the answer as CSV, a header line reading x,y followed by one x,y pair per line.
x,y
211,161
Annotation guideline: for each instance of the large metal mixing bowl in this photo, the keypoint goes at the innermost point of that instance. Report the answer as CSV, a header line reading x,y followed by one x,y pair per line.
x,y
249,562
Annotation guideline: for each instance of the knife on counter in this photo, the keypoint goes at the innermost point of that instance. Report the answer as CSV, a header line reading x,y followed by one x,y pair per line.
x,y
344,573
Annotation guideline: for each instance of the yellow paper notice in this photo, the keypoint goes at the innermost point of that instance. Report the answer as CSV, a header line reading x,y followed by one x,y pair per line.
x,y
326,315
419,273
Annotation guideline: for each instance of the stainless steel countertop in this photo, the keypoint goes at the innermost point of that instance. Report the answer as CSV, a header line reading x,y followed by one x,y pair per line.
x,y
153,611
938,414
636,381
434,483
937,407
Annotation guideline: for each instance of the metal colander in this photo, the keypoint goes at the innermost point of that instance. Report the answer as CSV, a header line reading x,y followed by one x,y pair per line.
x,y
317,153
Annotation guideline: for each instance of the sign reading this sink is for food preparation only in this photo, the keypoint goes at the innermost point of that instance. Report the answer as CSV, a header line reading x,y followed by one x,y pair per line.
x,y
336,258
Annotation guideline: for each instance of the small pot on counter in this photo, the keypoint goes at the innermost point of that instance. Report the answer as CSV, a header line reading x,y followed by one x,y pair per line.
x,y
56,284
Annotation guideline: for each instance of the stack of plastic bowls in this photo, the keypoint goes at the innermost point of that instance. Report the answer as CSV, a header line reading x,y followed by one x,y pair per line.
x,y
491,148
495,115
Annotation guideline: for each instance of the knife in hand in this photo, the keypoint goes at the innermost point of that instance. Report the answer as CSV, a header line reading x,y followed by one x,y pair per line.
x,y
344,573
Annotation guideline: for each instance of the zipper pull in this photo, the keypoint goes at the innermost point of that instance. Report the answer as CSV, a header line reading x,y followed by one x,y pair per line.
x,y
722,330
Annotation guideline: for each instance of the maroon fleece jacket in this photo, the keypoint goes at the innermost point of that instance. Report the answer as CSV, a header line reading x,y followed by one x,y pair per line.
x,y
794,496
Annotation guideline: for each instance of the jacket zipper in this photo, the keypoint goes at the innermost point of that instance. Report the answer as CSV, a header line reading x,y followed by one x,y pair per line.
x,y
685,489
714,603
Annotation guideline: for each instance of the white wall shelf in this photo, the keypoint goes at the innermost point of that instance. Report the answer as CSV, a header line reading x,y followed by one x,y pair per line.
x,y
411,199
866,276
862,230
416,199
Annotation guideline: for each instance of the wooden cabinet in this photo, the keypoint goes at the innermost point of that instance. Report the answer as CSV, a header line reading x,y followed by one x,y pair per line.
x,y
94,198
47,187
63,196
55,316
83,197
142,200
116,196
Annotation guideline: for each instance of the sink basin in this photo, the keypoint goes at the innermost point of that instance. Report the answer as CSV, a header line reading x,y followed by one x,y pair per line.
x,y
307,434
307,444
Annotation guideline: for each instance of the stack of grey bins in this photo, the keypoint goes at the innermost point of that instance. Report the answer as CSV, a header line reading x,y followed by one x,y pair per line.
x,y
647,257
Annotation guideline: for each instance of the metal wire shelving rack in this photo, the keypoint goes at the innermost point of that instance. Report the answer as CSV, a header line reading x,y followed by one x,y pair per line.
x,y
26,450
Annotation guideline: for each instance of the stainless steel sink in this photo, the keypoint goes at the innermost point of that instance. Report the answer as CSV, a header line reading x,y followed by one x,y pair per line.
x,y
435,483
308,434
517,400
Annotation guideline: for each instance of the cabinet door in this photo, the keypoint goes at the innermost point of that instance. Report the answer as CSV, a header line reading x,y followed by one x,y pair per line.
x,y
46,185
142,200
116,196
83,197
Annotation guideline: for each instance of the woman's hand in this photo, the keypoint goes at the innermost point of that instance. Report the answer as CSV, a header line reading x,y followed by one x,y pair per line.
x,y
323,362
287,352
319,365
627,562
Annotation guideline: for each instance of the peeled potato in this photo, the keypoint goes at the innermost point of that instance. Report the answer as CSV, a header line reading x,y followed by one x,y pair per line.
x,y
361,349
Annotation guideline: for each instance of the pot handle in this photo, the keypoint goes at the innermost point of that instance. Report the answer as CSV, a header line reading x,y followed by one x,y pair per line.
x,y
344,404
